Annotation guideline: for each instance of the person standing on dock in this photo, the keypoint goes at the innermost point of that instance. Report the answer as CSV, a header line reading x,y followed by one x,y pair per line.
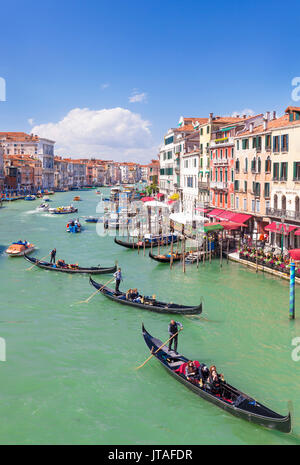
x,y
173,329
118,276
53,255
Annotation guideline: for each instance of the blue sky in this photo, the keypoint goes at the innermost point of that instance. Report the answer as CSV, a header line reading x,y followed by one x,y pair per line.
x,y
178,58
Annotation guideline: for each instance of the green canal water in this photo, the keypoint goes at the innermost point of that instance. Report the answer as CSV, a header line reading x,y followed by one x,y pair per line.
x,y
69,375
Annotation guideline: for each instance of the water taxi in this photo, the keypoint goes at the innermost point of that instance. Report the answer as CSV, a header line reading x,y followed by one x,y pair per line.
x,y
17,249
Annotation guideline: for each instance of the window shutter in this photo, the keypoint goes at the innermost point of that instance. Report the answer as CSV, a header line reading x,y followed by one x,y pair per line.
x,y
274,143
282,142
295,170
287,142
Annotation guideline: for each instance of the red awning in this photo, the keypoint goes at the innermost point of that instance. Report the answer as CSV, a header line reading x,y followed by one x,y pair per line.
x,y
240,217
230,225
226,215
297,233
215,212
294,254
202,210
280,228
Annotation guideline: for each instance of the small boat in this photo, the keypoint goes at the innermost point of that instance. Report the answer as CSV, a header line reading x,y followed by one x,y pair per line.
x,y
93,219
166,258
30,197
153,241
46,198
43,207
67,268
147,303
63,210
77,198
17,249
229,398
73,226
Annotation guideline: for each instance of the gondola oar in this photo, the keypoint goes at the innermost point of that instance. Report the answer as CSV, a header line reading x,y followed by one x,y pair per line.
x,y
152,355
37,262
94,293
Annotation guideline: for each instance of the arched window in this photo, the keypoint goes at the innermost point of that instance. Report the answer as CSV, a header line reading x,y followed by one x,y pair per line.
x,y
283,202
253,165
275,202
268,165
237,165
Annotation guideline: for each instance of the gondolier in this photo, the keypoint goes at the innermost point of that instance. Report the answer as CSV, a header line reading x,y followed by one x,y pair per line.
x,y
118,276
53,254
173,329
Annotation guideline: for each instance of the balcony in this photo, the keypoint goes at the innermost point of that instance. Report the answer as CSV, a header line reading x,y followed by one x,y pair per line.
x,y
218,185
279,213
203,186
220,161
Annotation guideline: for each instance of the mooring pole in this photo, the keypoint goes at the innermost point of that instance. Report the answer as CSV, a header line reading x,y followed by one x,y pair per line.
x,y
292,290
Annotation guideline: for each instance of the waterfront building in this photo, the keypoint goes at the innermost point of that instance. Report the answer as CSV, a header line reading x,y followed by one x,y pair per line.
x,y
23,172
20,143
153,173
271,192
171,152
206,129
60,173
222,161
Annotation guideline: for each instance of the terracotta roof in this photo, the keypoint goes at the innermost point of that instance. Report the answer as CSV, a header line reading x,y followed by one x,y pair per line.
x,y
282,122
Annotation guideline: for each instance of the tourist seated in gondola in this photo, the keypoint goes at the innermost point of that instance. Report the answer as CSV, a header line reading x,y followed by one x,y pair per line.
x,y
61,263
191,371
214,380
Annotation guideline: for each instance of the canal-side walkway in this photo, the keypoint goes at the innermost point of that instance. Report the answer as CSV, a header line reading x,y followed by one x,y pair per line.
x,y
234,256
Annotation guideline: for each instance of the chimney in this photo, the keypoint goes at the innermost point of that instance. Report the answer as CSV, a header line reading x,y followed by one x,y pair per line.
x,y
237,116
274,114
266,122
268,116
244,116
251,127
211,117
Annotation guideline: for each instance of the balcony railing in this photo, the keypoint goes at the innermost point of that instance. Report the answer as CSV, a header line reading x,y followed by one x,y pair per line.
x,y
218,184
279,213
220,161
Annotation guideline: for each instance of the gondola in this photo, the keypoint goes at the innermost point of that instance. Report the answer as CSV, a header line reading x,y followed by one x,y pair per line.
x,y
230,399
149,303
50,267
166,258
147,244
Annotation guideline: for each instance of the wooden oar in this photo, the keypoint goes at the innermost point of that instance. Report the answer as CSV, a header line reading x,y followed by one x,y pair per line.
x,y
152,355
94,293
39,261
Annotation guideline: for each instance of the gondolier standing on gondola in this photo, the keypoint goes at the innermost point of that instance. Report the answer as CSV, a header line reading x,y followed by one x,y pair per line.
x,y
118,276
173,329
53,254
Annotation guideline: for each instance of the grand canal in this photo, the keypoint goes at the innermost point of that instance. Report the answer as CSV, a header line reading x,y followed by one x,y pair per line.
x,y
69,375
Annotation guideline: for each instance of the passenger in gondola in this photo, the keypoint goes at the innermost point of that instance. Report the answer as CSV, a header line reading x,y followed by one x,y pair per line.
x,y
191,371
214,380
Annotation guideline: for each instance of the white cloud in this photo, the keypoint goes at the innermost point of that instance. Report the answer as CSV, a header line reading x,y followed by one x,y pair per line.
x,y
246,111
105,85
138,97
115,133
31,121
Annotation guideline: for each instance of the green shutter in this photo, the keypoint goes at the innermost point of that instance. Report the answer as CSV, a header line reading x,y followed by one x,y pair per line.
x,y
295,170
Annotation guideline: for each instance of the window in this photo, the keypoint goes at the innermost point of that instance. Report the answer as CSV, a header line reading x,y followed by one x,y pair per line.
x,y
226,199
195,162
253,165
237,203
207,130
246,165
245,144
238,145
283,171
259,165
268,142
226,153
237,165
245,186
232,175
169,140
257,205
236,185
245,204
285,143
296,175
268,165
276,147
256,188
275,171
253,205
267,190
201,131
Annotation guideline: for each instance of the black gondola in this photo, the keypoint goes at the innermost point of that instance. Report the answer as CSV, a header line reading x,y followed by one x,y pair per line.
x,y
230,399
50,267
149,303
166,258
140,244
